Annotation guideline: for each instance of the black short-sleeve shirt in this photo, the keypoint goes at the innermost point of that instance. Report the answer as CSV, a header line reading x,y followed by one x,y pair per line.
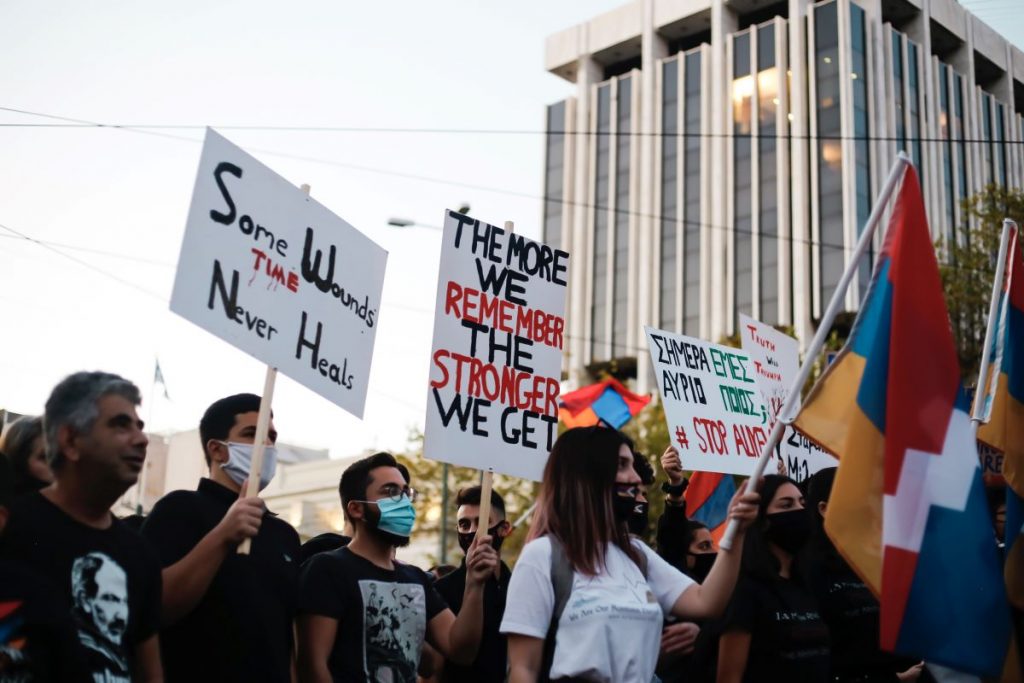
x,y
109,580
490,665
789,639
382,614
241,630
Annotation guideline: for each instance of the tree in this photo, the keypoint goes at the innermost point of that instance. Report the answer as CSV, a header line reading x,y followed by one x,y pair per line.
x,y
967,268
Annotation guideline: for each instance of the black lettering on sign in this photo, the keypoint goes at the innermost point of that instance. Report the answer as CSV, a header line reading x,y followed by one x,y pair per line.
x,y
228,300
218,173
338,374
311,269
466,410
517,427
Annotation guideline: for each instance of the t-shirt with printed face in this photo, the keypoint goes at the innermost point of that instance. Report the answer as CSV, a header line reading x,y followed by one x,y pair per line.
x,y
789,640
109,580
611,627
382,614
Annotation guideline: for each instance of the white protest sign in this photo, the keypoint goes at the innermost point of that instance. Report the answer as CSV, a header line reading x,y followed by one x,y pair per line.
x,y
715,415
499,329
776,359
270,270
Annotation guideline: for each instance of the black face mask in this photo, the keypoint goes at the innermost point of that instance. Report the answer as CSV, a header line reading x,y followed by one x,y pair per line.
x,y
788,530
702,563
623,507
637,521
466,539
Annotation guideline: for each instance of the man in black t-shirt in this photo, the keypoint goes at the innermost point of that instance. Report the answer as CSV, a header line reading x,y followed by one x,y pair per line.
x,y
491,662
103,574
364,616
227,617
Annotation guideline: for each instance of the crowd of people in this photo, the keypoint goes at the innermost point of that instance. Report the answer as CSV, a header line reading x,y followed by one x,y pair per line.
x,y
85,596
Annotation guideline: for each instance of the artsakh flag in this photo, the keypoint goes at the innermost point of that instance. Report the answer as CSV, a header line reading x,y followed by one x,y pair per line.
x,y
607,401
908,508
707,500
1004,410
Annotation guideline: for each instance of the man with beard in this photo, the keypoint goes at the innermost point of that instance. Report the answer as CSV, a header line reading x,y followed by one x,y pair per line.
x,y
103,572
363,616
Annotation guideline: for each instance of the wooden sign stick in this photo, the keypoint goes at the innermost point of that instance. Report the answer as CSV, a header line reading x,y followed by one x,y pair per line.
x,y
252,484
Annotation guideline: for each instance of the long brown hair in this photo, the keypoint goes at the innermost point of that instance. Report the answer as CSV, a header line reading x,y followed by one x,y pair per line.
x,y
575,501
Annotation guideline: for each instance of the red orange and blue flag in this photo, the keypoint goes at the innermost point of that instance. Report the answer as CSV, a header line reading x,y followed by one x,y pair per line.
x,y
707,500
608,401
908,507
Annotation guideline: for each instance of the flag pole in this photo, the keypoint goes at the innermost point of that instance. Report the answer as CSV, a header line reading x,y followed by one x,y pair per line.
x,y
834,306
978,416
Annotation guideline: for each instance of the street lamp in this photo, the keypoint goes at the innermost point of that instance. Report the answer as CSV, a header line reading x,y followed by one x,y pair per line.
x,y
399,222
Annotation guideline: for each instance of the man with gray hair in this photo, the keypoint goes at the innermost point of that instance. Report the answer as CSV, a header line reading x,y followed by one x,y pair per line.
x,y
105,574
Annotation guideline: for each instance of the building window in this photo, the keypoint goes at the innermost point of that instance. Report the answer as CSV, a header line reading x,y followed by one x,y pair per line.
x,y
599,307
861,146
898,99
742,106
986,135
997,144
768,200
553,175
620,283
949,205
961,145
830,154
913,80
669,158
692,195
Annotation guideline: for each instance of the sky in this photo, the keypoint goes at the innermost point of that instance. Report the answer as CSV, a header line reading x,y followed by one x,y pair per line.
x,y
111,203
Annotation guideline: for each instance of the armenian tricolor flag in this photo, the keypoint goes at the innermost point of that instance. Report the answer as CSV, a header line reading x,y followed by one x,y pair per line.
x,y
908,508
1005,410
607,401
707,500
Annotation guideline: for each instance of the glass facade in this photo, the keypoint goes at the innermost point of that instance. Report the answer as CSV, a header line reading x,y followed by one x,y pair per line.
x,y
742,109
861,132
898,96
669,266
553,174
767,159
599,306
829,152
949,203
998,148
961,148
914,104
986,135
620,283
691,193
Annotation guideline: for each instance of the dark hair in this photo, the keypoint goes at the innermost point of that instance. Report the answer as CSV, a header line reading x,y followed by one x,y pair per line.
x,y
439,571
321,544
219,418
575,501
357,477
405,473
643,468
17,444
471,496
6,481
692,527
75,402
758,560
819,488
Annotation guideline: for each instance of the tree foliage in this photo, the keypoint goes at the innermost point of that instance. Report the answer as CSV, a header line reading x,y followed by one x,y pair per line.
x,y
967,268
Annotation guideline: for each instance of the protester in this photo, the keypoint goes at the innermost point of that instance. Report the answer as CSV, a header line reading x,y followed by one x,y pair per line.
x,y
773,630
24,444
104,574
847,605
491,661
639,521
227,617
608,628
439,571
363,615
673,526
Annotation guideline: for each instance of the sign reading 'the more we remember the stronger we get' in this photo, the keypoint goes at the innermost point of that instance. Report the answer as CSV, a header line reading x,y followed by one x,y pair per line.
x,y
499,330
270,270
715,415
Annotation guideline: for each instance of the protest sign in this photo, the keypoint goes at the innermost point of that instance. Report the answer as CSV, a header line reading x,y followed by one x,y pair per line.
x,y
776,360
499,330
271,271
715,415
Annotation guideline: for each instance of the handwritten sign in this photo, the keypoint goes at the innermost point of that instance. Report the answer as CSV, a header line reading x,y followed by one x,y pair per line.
x,y
776,359
270,270
499,330
716,418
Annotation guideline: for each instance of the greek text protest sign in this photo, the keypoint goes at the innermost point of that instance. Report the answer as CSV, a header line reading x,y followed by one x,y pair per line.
x,y
270,270
499,330
776,360
715,415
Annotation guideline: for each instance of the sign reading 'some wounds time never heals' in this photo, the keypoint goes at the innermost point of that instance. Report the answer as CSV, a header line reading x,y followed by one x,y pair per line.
x,y
713,408
270,270
499,330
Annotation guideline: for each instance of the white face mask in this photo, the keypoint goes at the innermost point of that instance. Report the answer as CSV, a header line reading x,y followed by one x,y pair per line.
x,y
239,462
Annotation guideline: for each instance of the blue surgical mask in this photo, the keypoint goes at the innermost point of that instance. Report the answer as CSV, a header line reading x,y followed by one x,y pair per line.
x,y
396,517
239,463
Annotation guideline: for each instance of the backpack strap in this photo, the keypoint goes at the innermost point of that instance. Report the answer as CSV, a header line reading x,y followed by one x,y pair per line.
x,y
561,584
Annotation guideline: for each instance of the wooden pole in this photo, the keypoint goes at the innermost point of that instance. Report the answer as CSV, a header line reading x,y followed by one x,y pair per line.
x,y
252,484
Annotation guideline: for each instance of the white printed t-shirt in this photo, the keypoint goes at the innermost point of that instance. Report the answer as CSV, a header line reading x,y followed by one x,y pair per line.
x,y
611,627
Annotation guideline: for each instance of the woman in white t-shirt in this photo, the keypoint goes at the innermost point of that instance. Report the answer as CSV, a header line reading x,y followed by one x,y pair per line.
x,y
610,626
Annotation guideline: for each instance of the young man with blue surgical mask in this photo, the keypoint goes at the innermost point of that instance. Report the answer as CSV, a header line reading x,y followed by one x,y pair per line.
x,y
364,616
227,617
